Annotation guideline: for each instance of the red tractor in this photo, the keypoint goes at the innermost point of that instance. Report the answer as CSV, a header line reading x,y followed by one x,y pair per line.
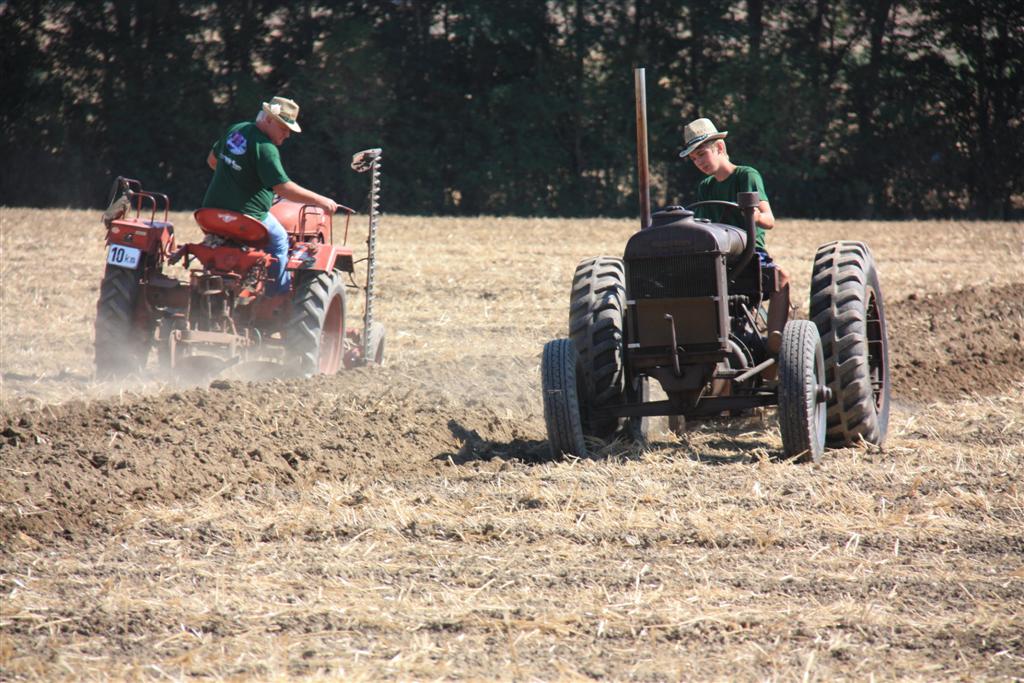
x,y
220,316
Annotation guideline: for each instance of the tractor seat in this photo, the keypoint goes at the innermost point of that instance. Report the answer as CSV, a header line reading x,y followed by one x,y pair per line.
x,y
231,225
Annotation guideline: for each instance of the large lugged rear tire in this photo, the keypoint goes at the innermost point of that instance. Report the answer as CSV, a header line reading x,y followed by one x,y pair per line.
x,y
315,333
846,307
121,348
562,383
801,381
595,325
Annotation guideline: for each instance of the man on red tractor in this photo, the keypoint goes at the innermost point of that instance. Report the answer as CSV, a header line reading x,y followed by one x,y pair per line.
x,y
247,173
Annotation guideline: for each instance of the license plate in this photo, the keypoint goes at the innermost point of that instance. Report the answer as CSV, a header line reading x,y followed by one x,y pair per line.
x,y
125,257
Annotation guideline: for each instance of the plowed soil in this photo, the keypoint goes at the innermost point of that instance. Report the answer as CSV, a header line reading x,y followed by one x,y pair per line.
x,y
949,343
407,521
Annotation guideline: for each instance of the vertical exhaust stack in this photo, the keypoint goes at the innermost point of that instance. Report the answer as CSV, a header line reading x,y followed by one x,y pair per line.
x,y
642,169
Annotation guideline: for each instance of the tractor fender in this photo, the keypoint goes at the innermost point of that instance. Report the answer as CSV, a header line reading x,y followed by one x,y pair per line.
x,y
150,237
328,257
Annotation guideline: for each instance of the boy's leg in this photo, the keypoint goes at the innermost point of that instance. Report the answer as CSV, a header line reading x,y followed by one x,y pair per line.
x,y
277,245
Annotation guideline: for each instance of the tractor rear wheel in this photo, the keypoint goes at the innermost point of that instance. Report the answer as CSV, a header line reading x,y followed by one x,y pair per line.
x,y
315,333
122,346
562,382
802,392
595,325
846,307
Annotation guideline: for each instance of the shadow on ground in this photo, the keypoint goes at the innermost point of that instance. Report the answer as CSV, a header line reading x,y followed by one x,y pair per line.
x,y
728,443
476,448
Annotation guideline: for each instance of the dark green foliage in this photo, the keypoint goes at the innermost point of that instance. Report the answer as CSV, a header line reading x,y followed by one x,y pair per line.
x,y
850,108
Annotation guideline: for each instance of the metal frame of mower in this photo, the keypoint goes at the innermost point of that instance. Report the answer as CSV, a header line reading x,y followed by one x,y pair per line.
x,y
222,316
683,307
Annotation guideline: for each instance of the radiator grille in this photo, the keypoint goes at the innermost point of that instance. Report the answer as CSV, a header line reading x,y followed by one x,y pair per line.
x,y
674,276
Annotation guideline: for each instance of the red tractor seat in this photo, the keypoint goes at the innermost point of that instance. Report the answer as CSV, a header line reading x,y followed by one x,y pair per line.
x,y
231,225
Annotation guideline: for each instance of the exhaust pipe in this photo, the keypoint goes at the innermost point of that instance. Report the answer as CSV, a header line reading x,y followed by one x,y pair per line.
x,y
642,169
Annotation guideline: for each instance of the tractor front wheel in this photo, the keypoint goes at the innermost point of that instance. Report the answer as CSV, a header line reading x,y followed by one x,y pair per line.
x,y
562,382
122,344
802,392
315,333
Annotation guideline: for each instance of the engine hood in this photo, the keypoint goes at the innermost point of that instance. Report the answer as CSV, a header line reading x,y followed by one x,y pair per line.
x,y
674,232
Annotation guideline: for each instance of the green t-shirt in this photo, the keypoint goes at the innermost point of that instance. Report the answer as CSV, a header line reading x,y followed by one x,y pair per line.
x,y
248,167
743,179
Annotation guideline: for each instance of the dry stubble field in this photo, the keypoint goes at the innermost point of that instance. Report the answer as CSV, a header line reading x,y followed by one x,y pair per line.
x,y
406,522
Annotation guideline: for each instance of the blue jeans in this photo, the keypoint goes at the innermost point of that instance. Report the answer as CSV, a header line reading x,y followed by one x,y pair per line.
x,y
277,244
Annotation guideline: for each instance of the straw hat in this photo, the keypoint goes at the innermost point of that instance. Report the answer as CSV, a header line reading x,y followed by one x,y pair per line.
x,y
284,110
697,133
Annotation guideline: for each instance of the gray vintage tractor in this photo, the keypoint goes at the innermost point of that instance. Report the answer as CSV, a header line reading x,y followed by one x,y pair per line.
x,y
683,307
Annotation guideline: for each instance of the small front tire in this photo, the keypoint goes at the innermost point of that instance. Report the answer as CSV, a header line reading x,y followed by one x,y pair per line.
x,y
562,382
802,392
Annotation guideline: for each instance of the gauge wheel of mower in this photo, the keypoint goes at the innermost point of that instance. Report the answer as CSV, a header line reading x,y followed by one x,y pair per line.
x,y
375,339
596,304
315,333
562,384
802,409
846,306
121,342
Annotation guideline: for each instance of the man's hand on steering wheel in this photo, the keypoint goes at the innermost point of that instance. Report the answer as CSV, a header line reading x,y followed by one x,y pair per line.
x,y
329,205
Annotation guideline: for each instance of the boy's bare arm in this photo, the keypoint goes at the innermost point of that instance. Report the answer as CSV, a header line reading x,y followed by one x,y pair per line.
x,y
763,216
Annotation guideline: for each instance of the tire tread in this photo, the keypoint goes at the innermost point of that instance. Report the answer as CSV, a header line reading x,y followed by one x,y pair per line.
x,y
596,305
303,330
798,390
119,348
559,366
842,272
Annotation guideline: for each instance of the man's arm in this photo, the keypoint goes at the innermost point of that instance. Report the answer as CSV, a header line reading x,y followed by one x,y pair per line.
x,y
763,215
297,193
211,161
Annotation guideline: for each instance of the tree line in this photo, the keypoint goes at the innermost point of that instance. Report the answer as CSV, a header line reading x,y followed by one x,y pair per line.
x,y
849,108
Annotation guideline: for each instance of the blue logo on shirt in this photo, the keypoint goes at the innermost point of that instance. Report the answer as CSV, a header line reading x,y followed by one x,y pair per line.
x,y
237,143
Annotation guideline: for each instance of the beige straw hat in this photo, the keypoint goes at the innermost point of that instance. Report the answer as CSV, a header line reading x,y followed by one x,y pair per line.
x,y
284,110
697,133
